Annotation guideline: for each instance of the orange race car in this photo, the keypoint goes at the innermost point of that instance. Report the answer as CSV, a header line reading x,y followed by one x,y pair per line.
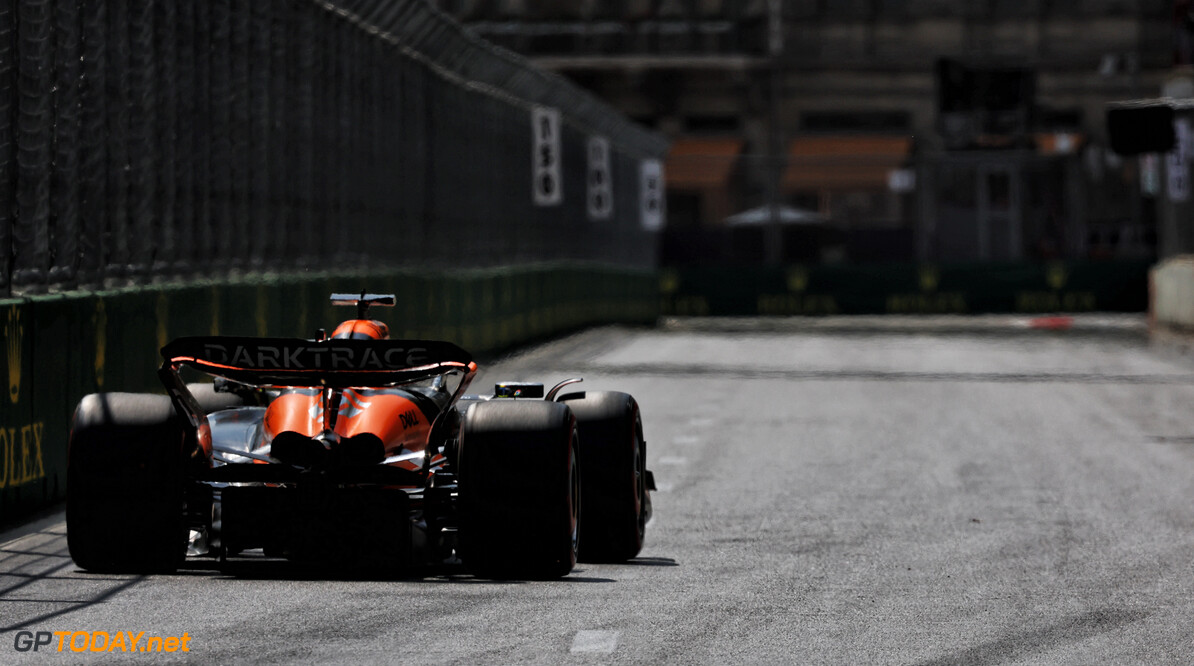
x,y
357,450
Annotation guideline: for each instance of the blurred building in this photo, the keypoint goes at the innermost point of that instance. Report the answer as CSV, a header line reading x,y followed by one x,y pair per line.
x,y
941,130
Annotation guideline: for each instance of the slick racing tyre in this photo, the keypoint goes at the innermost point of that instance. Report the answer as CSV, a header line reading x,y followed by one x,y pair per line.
x,y
614,502
519,489
124,502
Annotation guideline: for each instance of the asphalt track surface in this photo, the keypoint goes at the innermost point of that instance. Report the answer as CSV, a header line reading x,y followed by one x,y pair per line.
x,y
959,491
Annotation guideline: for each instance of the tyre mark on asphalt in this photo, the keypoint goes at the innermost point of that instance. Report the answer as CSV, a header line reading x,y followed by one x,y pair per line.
x,y
1170,439
1034,643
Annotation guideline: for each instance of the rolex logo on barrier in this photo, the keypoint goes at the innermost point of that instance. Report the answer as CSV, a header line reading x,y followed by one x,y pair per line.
x,y
1056,275
13,335
669,282
797,279
20,446
928,278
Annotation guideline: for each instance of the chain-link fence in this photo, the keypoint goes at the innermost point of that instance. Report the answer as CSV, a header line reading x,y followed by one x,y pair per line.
x,y
143,140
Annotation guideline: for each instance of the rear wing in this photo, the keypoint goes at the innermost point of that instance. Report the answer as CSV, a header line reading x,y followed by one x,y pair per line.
x,y
326,363
330,364
363,302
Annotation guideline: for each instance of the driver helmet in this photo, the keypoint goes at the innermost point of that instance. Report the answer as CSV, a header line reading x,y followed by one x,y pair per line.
x,y
361,329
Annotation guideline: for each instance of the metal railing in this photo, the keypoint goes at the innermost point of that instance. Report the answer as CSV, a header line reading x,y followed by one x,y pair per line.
x,y
149,141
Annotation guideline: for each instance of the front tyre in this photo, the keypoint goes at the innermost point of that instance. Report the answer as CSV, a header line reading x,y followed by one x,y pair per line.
x,y
519,490
613,460
125,498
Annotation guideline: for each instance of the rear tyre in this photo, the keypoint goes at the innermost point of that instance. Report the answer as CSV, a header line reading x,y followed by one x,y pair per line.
x,y
519,488
613,460
125,501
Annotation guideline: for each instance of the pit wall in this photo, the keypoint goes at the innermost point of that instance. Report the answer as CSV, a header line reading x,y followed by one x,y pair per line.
x,y
1171,294
64,346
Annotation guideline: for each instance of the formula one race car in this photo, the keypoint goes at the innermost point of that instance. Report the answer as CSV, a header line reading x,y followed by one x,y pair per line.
x,y
355,450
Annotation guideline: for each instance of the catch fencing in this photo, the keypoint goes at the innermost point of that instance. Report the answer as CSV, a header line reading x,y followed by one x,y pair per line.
x,y
172,140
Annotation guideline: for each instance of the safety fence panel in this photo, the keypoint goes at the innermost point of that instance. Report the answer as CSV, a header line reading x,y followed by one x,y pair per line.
x,y
178,140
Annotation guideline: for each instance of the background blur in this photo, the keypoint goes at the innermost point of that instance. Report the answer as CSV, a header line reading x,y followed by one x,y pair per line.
x,y
884,130
962,146
887,130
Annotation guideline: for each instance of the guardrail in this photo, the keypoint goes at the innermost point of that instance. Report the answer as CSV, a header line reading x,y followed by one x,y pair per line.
x,y
61,347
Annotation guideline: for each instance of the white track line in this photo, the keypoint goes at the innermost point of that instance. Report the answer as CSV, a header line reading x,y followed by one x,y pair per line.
x,y
594,642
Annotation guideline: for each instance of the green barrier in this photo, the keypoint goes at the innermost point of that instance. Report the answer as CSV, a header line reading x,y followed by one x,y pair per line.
x,y
130,340
52,381
1105,286
23,473
62,347
238,312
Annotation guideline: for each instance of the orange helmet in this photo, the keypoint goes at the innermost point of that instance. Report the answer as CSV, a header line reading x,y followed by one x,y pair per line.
x,y
361,329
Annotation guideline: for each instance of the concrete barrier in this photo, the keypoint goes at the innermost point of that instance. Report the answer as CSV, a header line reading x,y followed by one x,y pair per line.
x,y
62,347
1171,293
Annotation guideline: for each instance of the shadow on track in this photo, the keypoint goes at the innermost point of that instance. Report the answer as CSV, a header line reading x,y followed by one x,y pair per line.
x,y
251,567
653,562
262,568
41,557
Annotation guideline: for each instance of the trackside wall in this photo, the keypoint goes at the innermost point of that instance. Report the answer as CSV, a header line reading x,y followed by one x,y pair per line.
x,y
1062,286
1171,293
61,347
